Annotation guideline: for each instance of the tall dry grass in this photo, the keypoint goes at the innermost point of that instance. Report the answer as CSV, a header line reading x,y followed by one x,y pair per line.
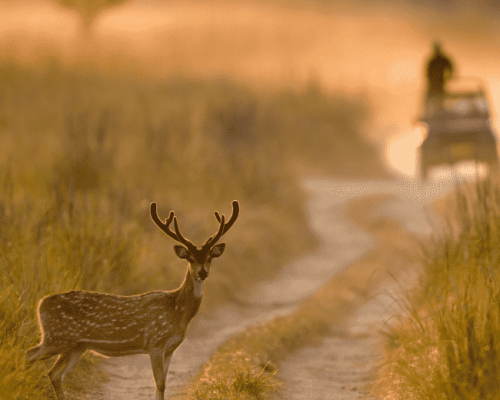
x,y
446,345
82,155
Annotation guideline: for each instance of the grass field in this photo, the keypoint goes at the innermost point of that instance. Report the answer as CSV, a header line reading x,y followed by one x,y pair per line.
x,y
446,343
83,153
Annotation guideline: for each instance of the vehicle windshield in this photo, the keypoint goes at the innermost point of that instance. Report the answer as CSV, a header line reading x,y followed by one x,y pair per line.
x,y
466,104
463,98
458,105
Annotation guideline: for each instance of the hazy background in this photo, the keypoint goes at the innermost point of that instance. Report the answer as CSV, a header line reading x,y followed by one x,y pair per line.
x,y
373,50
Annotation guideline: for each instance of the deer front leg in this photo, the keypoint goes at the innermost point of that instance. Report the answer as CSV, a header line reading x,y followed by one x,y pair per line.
x,y
166,362
156,357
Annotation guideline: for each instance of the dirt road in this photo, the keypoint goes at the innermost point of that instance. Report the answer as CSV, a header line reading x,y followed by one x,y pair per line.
x,y
344,366
340,368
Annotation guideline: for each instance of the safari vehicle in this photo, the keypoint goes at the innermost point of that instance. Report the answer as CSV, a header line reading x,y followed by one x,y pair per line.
x,y
458,128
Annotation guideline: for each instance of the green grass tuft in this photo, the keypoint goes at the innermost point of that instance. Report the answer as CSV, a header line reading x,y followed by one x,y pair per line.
x,y
252,383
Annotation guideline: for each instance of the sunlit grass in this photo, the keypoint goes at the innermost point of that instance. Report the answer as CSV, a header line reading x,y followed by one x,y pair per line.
x,y
82,155
47,246
239,381
447,341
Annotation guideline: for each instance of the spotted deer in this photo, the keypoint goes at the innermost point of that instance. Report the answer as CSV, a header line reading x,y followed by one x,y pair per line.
x,y
151,323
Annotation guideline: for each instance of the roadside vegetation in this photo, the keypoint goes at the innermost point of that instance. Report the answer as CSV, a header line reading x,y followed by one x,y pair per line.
x,y
446,342
82,155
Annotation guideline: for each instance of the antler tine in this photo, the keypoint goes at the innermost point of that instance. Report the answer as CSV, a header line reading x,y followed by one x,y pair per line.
x,y
234,215
213,239
224,227
181,238
164,226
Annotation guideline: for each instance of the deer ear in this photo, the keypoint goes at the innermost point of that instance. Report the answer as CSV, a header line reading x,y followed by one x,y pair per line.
x,y
182,252
217,250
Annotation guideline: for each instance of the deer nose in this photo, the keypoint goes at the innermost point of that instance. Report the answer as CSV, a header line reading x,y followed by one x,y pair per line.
x,y
202,274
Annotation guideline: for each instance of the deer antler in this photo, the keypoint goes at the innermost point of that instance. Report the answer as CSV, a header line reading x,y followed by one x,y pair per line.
x,y
223,227
181,238
234,215
164,226
177,235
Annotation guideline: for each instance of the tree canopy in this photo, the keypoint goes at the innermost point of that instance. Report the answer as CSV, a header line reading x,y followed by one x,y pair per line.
x,y
89,9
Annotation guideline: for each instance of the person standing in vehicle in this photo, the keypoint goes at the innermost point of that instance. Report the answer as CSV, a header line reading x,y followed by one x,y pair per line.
x,y
439,70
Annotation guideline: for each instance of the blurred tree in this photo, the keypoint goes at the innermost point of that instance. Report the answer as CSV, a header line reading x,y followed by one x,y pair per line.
x,y
88,10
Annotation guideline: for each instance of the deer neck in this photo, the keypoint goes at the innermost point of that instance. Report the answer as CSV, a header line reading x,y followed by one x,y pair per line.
x,y
189,298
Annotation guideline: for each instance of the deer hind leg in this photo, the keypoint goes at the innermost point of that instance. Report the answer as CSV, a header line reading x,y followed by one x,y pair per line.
x,y
63,365
34,353
40,352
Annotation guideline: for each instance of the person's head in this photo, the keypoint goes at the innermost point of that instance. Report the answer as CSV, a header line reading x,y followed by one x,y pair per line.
x,y
437,46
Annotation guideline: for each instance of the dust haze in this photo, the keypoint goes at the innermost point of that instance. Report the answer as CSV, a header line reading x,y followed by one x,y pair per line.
x,y
372,51
95,151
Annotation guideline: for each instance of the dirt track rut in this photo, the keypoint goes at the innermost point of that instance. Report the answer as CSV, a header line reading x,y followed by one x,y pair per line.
x,y
344,365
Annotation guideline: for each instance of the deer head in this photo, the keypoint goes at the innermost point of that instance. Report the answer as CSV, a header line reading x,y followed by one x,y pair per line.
x,y
199,259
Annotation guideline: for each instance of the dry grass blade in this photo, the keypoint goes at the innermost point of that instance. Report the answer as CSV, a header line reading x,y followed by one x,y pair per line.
x,y
456,354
